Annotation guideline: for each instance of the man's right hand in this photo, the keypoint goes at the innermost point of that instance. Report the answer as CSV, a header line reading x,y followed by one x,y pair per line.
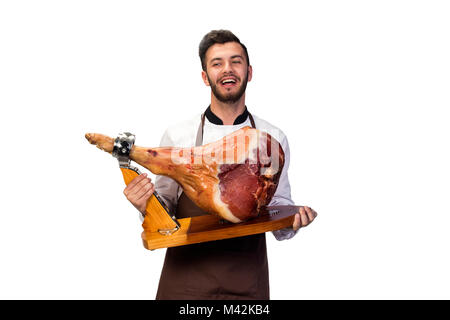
x,y
138,191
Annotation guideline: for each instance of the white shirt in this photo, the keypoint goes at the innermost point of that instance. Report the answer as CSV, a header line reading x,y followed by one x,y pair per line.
x,y
184,135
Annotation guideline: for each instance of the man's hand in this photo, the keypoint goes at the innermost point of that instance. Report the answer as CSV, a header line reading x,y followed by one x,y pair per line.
x,y
305,216
138,191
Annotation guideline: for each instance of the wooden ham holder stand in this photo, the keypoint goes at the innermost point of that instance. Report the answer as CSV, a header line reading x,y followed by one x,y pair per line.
x,y
163,230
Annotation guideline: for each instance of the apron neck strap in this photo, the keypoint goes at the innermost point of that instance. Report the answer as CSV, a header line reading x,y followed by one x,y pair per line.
x,y
199,139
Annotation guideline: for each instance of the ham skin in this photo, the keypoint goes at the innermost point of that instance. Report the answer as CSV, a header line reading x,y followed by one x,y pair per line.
x,y
232,177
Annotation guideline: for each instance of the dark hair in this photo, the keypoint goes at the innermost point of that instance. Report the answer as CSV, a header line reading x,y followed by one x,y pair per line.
x,y
218,36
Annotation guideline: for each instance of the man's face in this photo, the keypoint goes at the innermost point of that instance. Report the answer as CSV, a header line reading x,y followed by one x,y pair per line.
x,y
227,71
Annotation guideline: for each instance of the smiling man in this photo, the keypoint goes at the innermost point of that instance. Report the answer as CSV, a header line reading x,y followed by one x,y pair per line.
x,y
227,269
228,73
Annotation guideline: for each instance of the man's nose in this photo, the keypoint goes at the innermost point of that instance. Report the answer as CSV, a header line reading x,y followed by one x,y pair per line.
x,y
227,66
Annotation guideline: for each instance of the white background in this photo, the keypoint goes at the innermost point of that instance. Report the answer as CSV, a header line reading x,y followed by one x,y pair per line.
x,y
361,88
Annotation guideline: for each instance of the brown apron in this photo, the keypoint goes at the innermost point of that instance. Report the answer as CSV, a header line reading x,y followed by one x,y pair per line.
x,y
225,269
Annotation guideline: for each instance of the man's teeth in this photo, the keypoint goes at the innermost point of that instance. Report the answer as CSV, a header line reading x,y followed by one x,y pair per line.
x,y
228,81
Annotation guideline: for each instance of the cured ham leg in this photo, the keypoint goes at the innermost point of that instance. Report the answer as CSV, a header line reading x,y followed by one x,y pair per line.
x,y
233,177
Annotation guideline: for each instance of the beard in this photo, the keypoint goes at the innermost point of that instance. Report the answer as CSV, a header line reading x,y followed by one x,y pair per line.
x,y
228,98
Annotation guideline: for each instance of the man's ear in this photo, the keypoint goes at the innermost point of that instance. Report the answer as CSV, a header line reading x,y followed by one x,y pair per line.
x,y
250,73
205,78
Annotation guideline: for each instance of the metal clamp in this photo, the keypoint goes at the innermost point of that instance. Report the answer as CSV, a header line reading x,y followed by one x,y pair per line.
x,y
122,148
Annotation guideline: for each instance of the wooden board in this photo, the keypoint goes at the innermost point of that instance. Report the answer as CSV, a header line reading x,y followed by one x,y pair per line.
x,y
209,228
203,228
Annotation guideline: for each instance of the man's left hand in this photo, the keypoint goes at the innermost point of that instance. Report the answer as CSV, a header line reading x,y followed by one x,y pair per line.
x,y
305,216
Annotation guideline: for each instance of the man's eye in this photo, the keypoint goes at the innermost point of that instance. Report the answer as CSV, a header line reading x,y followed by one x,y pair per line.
x,y
216,64
237,61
